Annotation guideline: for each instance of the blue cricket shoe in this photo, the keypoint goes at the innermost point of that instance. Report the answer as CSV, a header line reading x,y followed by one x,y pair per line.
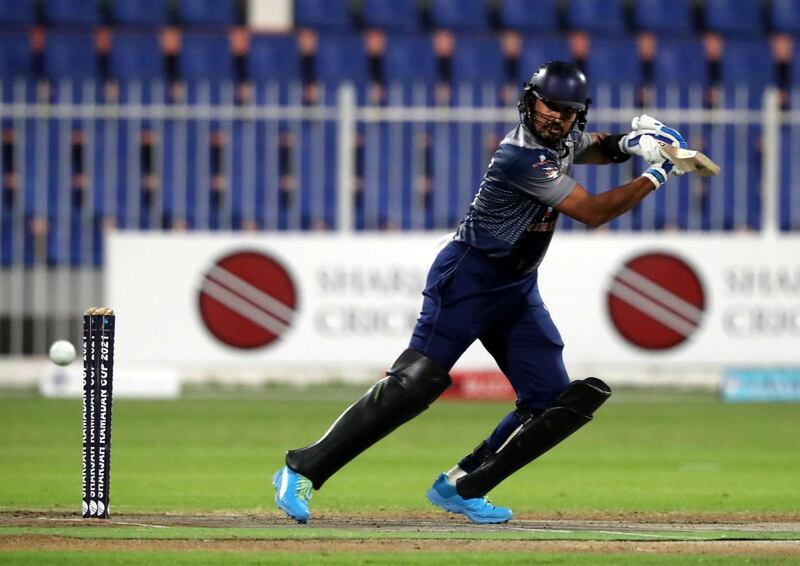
x,y
292,492
477,509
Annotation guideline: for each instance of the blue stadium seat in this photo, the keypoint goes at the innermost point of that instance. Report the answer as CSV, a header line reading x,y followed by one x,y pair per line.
x,y
747,68
136,56
680,61
733,17
459,14
392,15
521,15
139,12
273,64
80,12
15,56
795,71
205,56
680,73
325,15
410,70
137,63
409,58
670,17
785,16
273,57
70,55
478,59
207,12
538,51
613,70
19,12
341,58
600,16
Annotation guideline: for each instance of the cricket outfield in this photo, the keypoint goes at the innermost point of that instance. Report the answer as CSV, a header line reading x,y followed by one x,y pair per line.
x,y
659,477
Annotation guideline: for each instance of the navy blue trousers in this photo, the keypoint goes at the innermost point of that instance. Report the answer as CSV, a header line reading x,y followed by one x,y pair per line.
x,y
470,296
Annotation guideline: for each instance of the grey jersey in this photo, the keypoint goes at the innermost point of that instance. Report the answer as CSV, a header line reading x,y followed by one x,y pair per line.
x,y
513,215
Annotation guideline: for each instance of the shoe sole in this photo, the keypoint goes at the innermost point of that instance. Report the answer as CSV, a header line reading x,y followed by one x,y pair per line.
x,y
280,504
434,497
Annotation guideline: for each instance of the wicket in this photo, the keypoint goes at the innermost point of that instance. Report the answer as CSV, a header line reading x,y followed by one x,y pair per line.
x,y
98,380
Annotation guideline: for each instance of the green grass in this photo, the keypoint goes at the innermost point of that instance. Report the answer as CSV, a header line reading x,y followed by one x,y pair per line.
x,y
697,456
646,452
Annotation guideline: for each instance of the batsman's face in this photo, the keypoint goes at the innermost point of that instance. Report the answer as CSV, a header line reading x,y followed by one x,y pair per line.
x,y
553,121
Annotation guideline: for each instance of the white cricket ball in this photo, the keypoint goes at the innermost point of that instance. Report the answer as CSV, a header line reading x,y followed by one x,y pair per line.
x,y
62,352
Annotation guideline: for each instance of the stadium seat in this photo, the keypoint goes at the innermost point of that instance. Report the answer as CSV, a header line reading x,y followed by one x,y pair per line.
x,y
597,16
139,12
205,56
136,56
459,14
478,60
15,56
747,68
613,70
795,70
325,15
785,16
205,63
733,17
536,52
409,58
273,57
680,61
669,17
75,12
680,73
137,64
70,55
392,15
207,12
521,15
341,58
16,12
409,69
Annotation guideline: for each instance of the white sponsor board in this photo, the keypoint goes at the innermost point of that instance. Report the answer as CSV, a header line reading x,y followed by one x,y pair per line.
x,y
356,300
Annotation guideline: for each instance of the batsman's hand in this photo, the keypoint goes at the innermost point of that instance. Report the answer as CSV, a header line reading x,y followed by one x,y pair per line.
x,y
660,172
645,137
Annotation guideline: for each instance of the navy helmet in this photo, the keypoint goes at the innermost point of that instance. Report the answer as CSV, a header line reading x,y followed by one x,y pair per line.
x,y
560,84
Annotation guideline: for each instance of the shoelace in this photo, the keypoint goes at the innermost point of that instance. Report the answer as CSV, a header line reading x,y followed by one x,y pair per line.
x,y
304,487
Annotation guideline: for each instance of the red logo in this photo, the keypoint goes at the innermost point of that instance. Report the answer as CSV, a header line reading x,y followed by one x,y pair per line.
x,y
656,301
247,300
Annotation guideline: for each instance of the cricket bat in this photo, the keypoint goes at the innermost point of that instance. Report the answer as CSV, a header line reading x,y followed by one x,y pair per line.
x,y
690,160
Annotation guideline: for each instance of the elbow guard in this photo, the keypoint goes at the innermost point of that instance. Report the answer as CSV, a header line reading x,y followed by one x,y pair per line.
x,y
611,149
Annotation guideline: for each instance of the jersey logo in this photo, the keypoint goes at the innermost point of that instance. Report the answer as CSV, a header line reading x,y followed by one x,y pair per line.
x,y
546,167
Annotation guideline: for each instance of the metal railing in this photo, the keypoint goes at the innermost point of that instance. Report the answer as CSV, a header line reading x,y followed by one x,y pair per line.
x,y
77,163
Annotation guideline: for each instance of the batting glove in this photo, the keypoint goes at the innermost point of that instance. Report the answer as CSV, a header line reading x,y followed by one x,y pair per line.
x,y
659,172
646,136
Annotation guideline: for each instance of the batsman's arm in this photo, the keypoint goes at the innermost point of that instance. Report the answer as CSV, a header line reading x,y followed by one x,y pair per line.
x,y
596,210
603,150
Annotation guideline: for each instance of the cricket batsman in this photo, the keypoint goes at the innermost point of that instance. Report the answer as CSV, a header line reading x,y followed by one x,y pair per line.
x,y
483,286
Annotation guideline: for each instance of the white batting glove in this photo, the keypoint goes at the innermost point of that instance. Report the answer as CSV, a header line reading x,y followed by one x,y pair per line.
x,y
646,136
660,172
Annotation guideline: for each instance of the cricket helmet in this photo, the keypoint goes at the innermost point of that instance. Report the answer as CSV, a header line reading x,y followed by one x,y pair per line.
x,y
560,84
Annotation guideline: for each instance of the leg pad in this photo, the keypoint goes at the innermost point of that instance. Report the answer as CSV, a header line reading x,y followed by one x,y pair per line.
x,y
413,382
571,410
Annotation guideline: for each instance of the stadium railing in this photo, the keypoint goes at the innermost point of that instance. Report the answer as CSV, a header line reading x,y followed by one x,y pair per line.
x,y
78,162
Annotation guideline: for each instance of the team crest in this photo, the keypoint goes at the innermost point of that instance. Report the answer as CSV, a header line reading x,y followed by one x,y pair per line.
x,y
546,167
